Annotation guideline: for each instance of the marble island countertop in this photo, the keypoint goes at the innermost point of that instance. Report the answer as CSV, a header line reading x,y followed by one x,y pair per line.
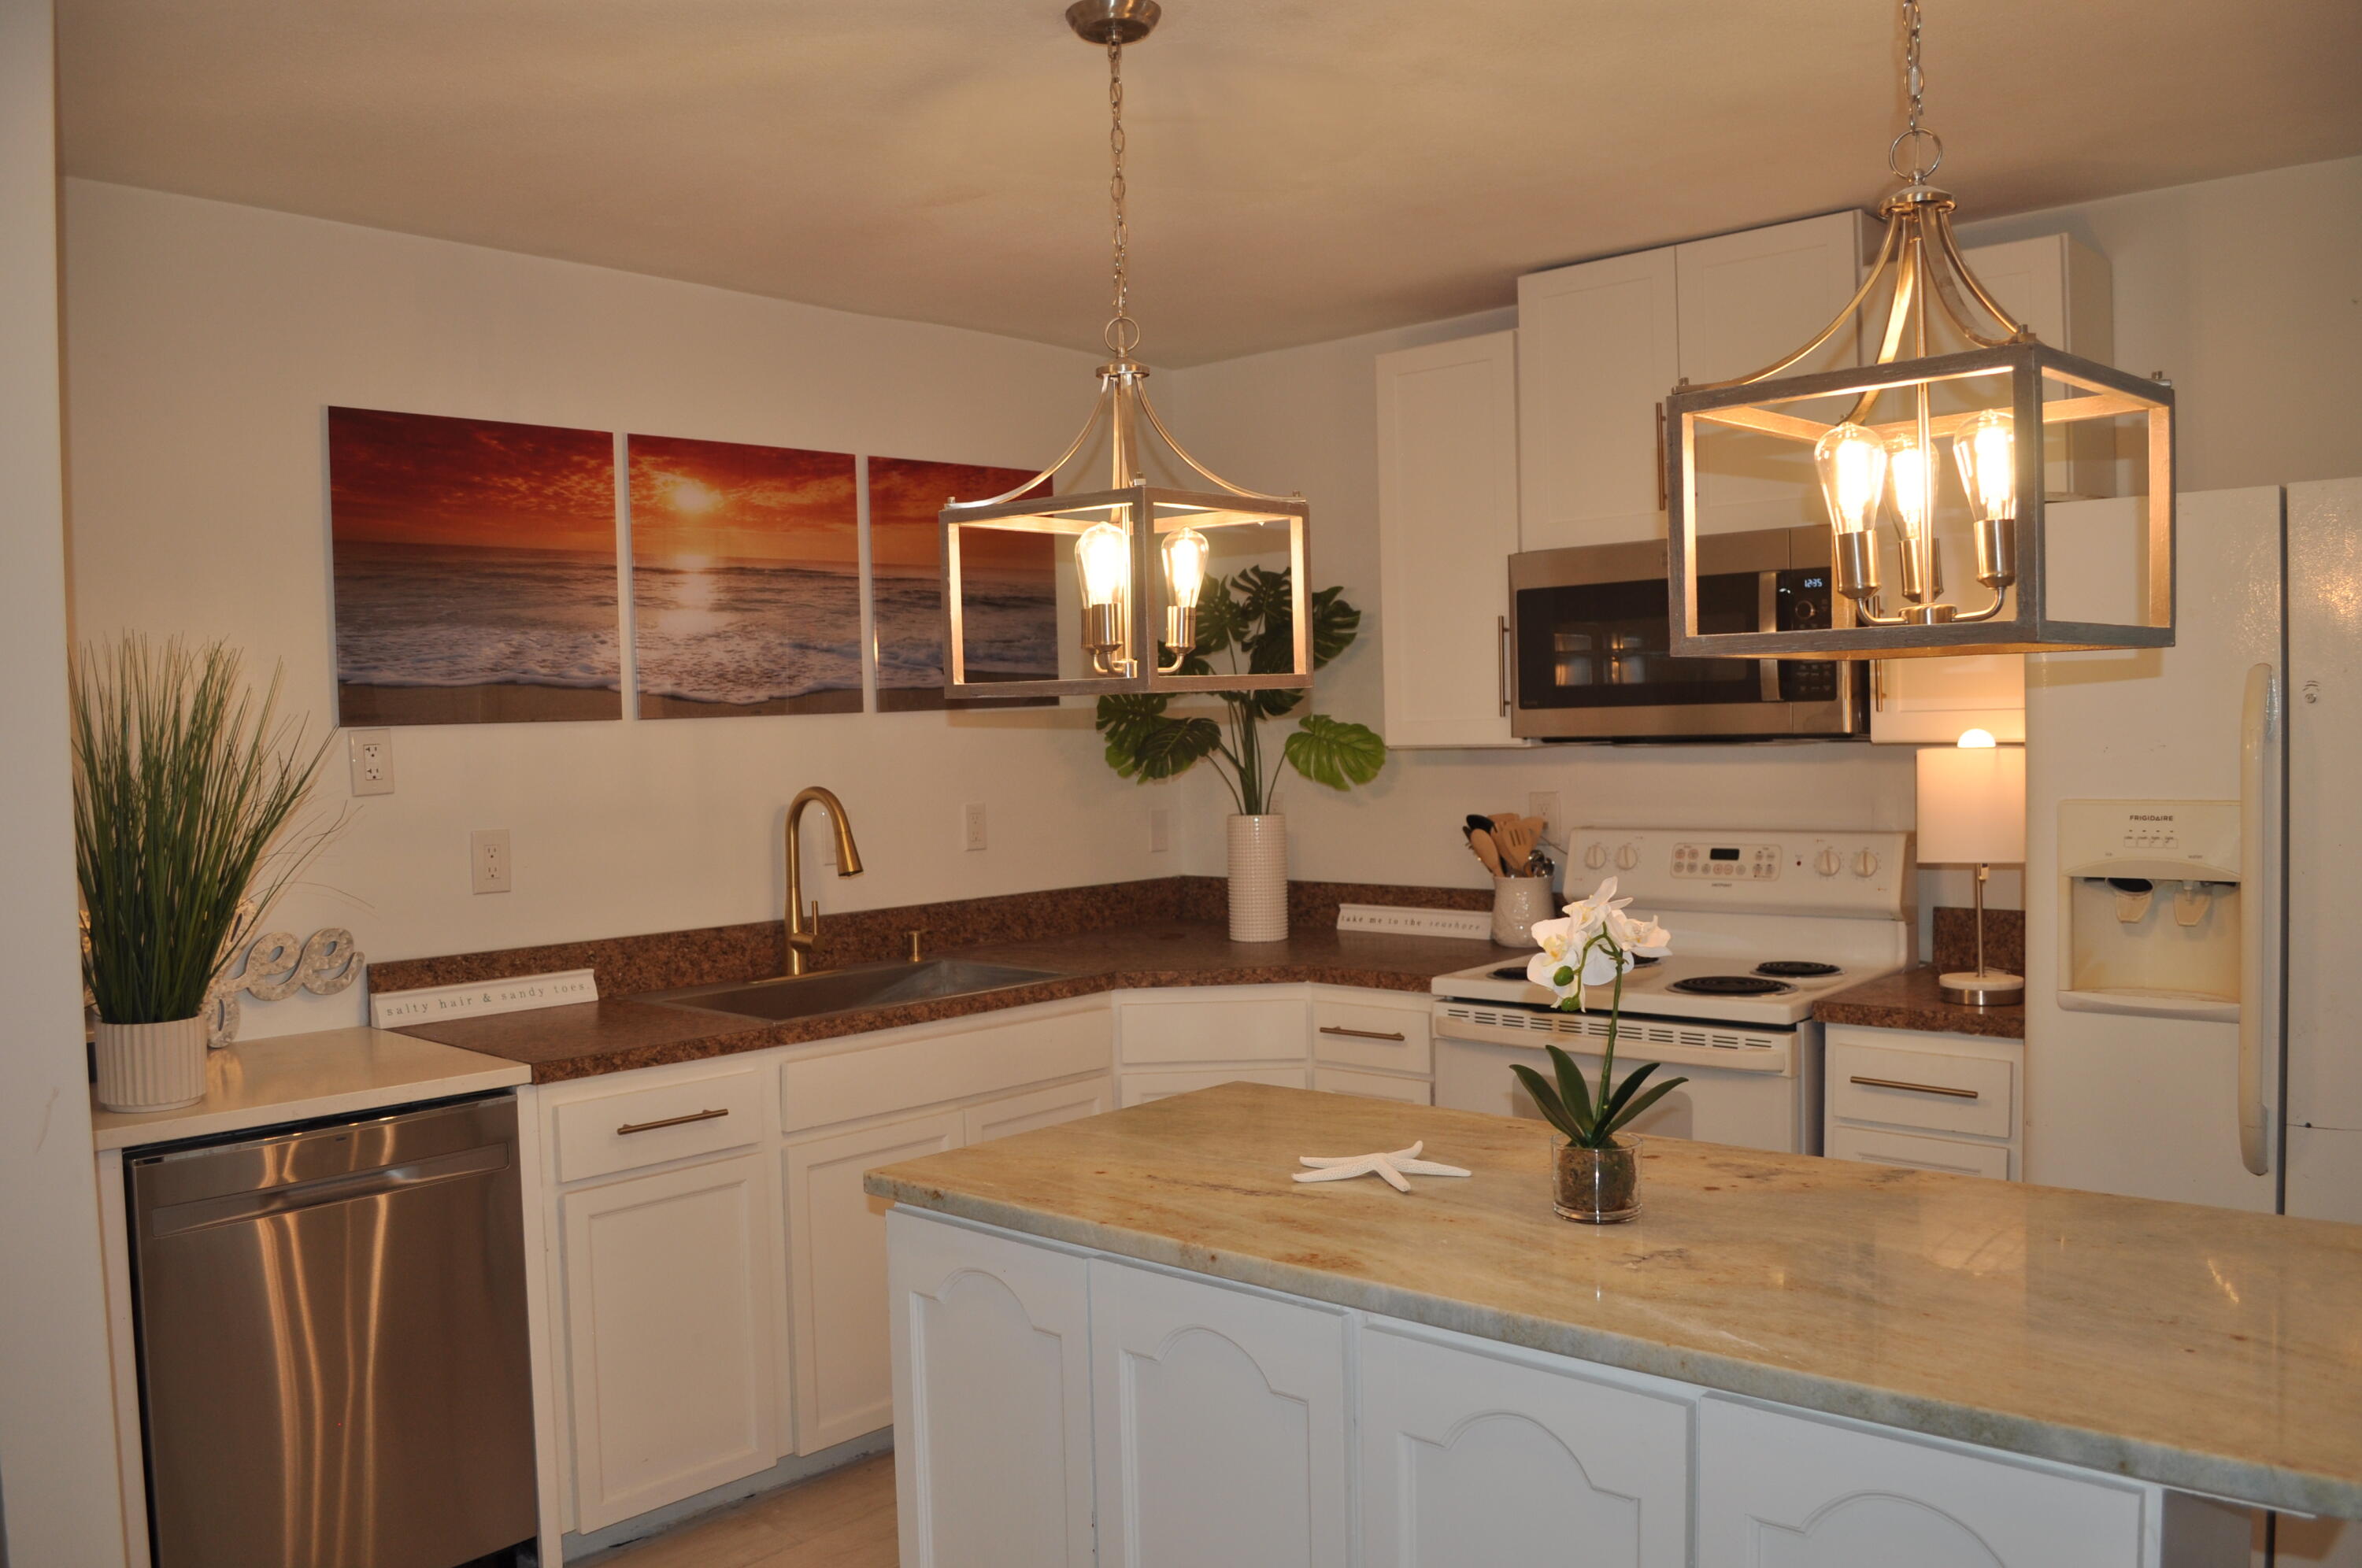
x,y
2203,1349
617,1033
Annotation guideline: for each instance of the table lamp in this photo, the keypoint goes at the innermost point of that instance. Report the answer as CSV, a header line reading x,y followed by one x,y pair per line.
x,y
1973,812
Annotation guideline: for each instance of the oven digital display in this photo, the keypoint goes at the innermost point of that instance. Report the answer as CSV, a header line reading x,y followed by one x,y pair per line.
x,y
1722,855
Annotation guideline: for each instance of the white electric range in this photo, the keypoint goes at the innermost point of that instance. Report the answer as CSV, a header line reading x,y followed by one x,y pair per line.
x,y
1764,924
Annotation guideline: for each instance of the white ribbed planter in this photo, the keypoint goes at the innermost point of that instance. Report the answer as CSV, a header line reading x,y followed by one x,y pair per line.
x,y
1259,878
152,1066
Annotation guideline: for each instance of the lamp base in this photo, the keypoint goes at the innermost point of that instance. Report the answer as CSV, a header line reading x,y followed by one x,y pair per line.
x,y
1972,989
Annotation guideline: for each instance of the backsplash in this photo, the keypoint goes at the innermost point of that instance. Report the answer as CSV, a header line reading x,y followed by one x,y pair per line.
x,y
1956,939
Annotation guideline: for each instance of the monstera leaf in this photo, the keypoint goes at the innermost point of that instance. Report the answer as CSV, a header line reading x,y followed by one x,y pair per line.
x,y
1330,751
1144,743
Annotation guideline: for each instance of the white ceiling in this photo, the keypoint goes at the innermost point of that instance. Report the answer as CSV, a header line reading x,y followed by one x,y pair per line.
x,y
1300,171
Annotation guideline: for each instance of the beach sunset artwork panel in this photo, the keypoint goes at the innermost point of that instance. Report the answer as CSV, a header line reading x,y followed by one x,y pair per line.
x,y
475,575
745,579
1011,603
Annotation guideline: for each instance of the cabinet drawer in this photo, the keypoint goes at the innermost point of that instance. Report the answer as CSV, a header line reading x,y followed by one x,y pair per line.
x,y
1918,1151
1042,1108
1373,1085
1139,1088
1938,1090
1251,1029
1027,1045
647,1126
1363,1034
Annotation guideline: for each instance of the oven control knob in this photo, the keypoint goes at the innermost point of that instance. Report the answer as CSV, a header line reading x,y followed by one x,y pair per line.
x,y
1595,856
1865,863
1628,858
1829,863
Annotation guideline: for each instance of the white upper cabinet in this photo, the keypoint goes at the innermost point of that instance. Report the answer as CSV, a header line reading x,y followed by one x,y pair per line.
x,y
1745,300
1600,348
1447,523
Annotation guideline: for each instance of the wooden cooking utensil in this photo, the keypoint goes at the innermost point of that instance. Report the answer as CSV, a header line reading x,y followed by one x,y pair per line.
x,y
1482,843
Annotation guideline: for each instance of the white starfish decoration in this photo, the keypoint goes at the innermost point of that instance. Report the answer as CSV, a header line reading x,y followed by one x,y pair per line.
x,y
1392,1166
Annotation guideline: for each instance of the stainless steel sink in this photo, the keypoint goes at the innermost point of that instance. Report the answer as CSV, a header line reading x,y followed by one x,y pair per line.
x,y
841,990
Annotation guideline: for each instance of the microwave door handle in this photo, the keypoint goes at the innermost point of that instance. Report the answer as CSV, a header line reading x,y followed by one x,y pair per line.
x,y
1767,619
1501,654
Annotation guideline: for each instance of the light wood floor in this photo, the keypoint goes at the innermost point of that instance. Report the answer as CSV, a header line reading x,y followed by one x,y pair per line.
x,y
841,1519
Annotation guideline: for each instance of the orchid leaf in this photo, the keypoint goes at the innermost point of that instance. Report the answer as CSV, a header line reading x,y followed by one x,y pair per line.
x,y
1546,1099
1625,1090
1631,1113
1572,1088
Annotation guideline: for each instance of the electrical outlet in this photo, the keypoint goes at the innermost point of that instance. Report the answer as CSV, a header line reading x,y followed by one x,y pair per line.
x,y
490,868
972,826
371,754
1160,830
1543,803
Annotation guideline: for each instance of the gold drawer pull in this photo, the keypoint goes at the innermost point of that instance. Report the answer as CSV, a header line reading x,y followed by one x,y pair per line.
x,y
1360,1033
670,1121
1917,1088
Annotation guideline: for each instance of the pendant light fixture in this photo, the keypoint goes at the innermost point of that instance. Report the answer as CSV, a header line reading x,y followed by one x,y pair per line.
x,y
1933,439
1141,551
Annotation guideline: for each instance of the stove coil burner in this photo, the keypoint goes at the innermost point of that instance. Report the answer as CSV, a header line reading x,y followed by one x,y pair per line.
x,y
1796,969
1517,971
1730,985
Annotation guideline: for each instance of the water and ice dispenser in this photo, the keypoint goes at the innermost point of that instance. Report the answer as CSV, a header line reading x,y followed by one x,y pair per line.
x,y
2151,921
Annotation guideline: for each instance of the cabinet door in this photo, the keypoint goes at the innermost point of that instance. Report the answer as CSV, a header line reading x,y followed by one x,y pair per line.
x,y
1139,1088
668,1335
1373,1085
1598,349
1038,1108
1918,1151
836,1273
1473,1461
1745,300
1932,702
992,1399
1222,1029
1781,1490
1218,1426
1447,525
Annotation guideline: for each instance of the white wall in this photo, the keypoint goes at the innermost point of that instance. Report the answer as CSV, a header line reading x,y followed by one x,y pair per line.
x,y
58,1496
202,341
2243,290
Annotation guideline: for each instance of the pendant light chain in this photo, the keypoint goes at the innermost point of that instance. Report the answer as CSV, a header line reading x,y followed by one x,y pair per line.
x,y
1927,147
1123,333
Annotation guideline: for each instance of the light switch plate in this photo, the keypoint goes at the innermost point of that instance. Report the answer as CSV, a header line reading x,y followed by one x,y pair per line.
x,y
489,867
369,755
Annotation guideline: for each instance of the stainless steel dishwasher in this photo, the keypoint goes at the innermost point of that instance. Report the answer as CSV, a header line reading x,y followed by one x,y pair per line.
x,y
332,1339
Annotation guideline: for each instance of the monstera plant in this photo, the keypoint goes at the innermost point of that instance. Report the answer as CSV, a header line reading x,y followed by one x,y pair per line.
x,y
1246,621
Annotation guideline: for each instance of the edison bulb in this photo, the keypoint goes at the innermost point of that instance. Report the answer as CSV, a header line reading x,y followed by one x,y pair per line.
x,y
1986,450
1852,464
1103,558
1914,481
1185,568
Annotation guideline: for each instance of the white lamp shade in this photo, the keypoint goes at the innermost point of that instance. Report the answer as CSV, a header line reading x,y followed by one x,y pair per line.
x,y
1972,805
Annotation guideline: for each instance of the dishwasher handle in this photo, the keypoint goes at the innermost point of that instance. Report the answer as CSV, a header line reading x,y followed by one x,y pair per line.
x,y
178,1218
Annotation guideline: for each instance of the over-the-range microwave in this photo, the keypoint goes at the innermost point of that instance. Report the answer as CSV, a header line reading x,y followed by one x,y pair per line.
x,y
1590,634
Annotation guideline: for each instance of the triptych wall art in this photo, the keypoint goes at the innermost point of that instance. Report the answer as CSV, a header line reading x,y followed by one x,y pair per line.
x,y
477,580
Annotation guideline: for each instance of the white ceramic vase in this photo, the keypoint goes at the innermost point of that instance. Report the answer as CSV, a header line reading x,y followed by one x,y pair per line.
x,y
1259,878
152,1067
1517,902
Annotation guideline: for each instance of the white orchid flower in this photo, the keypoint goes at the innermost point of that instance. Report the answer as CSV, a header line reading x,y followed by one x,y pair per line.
x,y
1600,914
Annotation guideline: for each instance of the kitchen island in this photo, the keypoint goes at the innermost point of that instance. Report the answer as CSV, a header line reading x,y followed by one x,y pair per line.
x,y
1134,1336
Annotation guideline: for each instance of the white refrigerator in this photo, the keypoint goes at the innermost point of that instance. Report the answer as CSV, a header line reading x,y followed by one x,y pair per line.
x,y
2253,718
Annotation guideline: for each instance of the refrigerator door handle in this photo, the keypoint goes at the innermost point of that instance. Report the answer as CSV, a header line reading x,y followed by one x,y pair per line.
x,y
2256,714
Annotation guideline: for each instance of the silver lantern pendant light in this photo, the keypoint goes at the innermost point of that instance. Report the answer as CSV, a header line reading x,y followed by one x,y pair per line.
x,y
1141,551
1934,439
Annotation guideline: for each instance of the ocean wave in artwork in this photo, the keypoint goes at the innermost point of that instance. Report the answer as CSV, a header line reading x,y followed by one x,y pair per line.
x,y
741,632
412,615
1010,629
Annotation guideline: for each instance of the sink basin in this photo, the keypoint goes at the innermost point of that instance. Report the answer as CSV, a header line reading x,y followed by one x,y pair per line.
x,y
841,990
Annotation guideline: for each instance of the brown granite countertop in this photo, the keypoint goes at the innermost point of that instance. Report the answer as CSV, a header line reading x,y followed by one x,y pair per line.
x,y
1911,999
616,1034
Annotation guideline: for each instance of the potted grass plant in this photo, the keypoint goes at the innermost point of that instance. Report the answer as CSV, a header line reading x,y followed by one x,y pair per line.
x,y
186,789
1249,618
1597,1171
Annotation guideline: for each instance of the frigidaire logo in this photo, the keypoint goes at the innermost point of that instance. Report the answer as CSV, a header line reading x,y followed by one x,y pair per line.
x,y
2146,817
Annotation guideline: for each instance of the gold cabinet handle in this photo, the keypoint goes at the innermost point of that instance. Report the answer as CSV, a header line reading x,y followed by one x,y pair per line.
x,y
629,1127
1360,1033
1917,1088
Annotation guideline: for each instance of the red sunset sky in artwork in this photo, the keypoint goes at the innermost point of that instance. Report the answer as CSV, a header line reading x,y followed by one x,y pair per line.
x,y
724,500
422,478
906,495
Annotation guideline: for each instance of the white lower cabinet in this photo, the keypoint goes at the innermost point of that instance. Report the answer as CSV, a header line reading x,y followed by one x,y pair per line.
x,y
1139,1088
1783,1489
1470,1459
992,1457
1218,1424
669,1336
836,1273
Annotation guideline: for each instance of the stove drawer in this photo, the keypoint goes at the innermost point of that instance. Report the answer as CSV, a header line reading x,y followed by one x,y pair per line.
x,y
1916,1150
1358,1033
1935,1090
